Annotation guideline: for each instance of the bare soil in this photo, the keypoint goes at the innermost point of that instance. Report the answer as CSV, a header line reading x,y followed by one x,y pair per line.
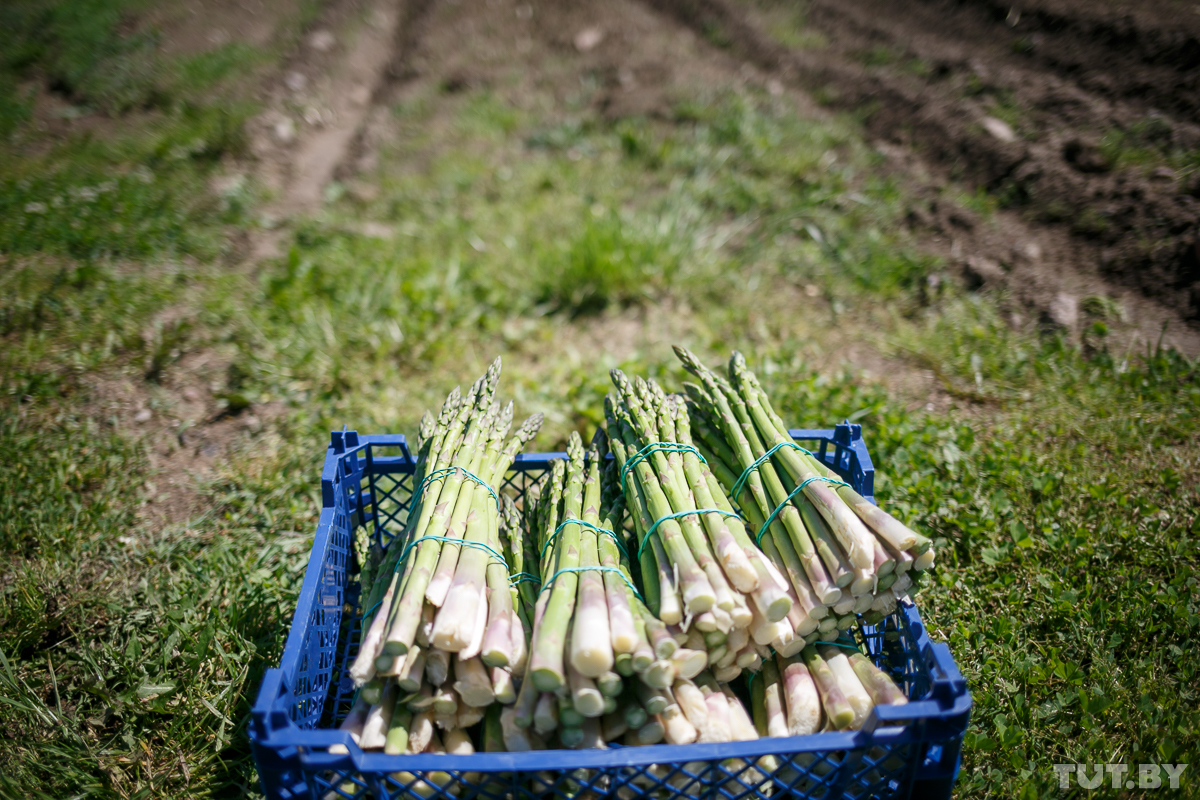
x,y
1035,103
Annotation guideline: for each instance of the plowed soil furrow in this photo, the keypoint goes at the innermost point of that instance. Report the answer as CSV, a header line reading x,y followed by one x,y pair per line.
x,y
1146,54
1079,118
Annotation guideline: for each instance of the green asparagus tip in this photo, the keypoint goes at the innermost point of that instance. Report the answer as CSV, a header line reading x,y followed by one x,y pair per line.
x,y
476,390
600,442
450,407
688,358
575,446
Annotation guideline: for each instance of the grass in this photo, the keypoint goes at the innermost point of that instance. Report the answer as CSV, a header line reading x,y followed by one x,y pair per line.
x,y
787,24
1148,143
1061,487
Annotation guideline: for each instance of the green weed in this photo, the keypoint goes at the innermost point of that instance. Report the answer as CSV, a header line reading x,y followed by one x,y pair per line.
x,y
1148,143
609,262
787,23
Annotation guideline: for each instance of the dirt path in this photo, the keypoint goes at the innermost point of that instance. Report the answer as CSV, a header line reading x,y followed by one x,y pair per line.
x,y
1078,116
316,107
317,110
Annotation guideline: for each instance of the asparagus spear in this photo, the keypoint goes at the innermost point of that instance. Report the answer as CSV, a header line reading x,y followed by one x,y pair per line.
x,y
472,682
379,719
477,567
668,468
405,613
763,483
397,734
804,713
658,576
483,448
546,662
516,738
883,524
591,655
860,701
545,715
848,528
353,724
833,698
694,586
456,623
768,702
622,629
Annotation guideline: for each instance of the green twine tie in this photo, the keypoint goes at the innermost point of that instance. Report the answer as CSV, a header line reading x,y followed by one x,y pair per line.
x,y
657,447
439,474
740,484
460,542
842,645
574,521
788,499
546,586
523,577
677,515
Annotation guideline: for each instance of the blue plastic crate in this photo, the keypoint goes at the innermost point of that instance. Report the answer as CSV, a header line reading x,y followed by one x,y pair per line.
x,y
906,751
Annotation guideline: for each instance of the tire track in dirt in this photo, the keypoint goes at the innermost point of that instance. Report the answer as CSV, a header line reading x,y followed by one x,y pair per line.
x,y
317,105
1079,229
347,77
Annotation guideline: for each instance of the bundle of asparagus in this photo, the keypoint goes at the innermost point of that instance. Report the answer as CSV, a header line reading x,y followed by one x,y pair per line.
x,y
820,688
591,629
841,553
700,569
443,639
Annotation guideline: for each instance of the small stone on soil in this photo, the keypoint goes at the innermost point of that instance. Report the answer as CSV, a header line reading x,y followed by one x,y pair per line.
x,y
981,270
296,81
322,41
143,416
314,117
588,38
1064,310
284,131
1000,129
